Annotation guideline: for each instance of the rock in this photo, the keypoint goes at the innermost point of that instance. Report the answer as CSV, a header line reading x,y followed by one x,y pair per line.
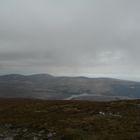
x,y
8,125
8,138
35,138
25,130
102,113
42,131
50,135
1,137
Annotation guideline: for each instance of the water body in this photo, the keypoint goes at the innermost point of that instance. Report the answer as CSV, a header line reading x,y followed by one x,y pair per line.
x,y
95,97
76,96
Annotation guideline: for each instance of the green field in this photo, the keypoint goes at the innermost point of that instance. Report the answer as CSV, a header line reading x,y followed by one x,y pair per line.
x,y
69,120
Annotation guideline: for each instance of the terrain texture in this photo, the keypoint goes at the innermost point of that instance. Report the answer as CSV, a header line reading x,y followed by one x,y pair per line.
x,y
45,86
24,119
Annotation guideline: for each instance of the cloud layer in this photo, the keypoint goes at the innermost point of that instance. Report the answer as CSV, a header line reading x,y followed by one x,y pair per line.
x,y
77,37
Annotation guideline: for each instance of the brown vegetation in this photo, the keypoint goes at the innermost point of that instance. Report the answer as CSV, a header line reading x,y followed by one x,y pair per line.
x,y
74,120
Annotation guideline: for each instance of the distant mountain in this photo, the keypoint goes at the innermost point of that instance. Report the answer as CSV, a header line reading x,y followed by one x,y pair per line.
x,y
46,86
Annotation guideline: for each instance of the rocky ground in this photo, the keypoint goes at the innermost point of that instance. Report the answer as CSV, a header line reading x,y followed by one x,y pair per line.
x,y
24,119
9,132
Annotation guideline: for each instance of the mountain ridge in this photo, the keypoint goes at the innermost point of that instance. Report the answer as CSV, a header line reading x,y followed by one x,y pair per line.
x,y
46,86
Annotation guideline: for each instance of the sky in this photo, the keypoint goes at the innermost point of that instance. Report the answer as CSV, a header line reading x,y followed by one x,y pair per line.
x,y
94,38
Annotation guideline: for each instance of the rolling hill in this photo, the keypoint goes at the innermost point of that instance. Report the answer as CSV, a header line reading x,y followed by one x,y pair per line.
x,y
45,86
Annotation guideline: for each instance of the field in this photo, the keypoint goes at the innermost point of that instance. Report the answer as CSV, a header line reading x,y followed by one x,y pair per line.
x,y
25,119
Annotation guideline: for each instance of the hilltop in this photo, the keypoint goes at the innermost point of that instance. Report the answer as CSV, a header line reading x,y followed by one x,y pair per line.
x,y
45,86
23,119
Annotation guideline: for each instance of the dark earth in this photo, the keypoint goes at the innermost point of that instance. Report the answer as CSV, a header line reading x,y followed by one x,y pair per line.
x,y
25,119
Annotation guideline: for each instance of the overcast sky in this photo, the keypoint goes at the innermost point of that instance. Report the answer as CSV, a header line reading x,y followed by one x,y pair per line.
x,y
71,37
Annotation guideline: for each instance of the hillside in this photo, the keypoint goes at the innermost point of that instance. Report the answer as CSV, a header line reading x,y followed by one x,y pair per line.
x,y
22,119
45,86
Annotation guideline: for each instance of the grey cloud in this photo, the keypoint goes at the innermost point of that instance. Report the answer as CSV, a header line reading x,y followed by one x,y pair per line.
x,y
77,37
